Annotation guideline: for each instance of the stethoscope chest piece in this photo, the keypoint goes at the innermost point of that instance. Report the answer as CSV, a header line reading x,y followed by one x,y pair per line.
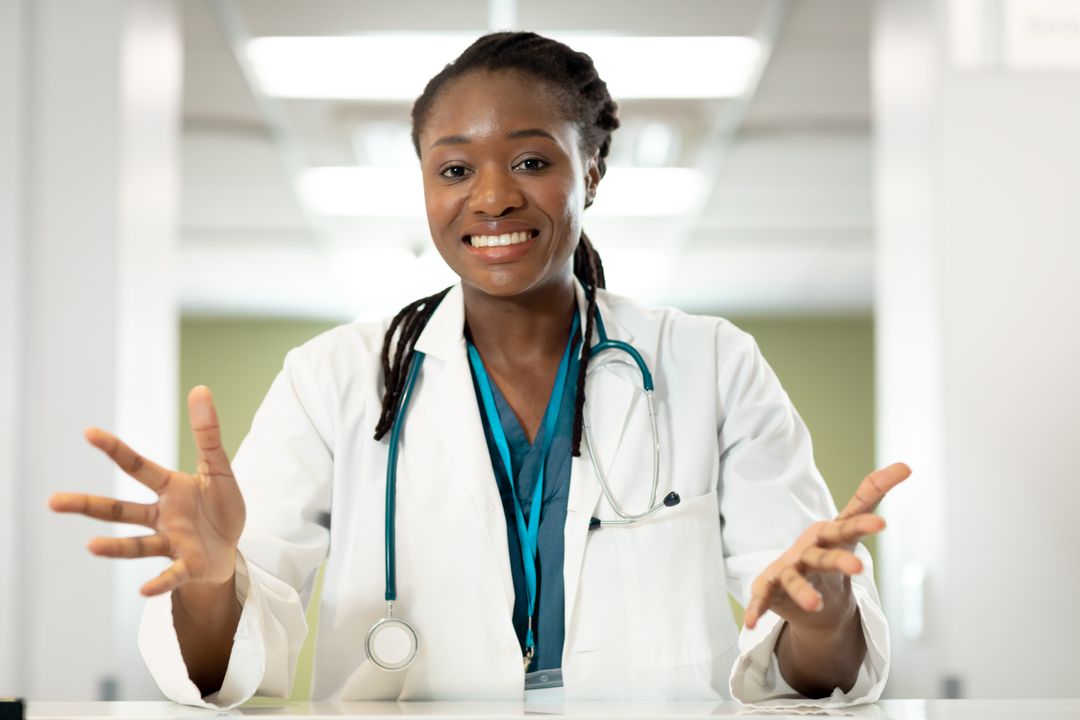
x,y
391,643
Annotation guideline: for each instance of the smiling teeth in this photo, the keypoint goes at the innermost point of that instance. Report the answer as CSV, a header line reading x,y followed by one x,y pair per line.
x,y
515,238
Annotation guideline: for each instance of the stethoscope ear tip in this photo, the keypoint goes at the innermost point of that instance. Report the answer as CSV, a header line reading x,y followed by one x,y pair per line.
x,y
672,499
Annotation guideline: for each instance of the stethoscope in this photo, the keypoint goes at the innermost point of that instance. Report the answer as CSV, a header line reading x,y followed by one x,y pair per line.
x,y
392,643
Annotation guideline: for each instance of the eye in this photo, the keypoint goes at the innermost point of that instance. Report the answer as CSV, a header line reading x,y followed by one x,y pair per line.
x,y
454,172
531,164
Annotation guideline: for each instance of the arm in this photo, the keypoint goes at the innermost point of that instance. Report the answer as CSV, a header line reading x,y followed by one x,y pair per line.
x,y
244,637
822,645
205,618
815,659
197,521
771,493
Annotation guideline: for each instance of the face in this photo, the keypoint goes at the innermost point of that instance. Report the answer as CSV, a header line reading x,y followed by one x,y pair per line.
x,y
505,183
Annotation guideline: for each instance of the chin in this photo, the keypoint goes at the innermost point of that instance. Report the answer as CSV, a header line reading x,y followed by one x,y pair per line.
x,y
503,287
512,285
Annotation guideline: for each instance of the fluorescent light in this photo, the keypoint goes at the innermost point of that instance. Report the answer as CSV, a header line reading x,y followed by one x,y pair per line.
x,y
362,191
672,67
397,67
649,191
398,192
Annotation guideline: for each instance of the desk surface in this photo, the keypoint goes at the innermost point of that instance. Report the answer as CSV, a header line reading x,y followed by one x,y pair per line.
x,y
884,710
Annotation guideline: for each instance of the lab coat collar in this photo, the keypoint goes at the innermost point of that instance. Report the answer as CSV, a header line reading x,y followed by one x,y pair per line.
x,y
444,335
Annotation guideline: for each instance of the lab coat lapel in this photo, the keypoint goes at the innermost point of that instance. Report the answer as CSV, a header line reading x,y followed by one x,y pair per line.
x,y
608,397
460,429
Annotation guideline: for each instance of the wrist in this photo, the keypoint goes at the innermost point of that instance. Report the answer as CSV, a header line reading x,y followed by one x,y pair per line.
x,y
197,599
817,657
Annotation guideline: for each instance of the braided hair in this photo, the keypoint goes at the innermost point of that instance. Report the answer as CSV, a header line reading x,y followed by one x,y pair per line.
x,y
586,102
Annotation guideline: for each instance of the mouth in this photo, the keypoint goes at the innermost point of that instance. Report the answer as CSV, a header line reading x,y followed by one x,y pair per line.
x,y
505,239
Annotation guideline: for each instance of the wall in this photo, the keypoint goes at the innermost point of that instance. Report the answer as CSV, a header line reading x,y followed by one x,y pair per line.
x,y
88,125
12,85
978,307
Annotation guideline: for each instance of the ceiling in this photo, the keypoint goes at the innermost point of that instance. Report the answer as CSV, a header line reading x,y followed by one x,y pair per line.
x,y
786,227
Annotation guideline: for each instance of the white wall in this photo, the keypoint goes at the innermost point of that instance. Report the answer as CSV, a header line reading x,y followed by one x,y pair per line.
x,y
978,350
11,86
89,335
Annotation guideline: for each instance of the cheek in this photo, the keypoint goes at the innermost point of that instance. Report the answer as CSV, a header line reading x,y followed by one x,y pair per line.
x,y
441,206
572,202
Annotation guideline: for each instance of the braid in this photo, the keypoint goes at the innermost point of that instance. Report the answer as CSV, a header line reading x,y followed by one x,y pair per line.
x,y
590,272
411,319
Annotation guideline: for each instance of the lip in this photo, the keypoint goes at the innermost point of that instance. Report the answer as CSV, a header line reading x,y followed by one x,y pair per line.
x,y
500,253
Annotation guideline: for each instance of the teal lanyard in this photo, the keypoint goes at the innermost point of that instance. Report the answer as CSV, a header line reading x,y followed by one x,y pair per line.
x,y
528,535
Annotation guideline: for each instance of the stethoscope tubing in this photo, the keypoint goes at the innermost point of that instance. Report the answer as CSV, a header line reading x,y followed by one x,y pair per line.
x,y
626,518
391,477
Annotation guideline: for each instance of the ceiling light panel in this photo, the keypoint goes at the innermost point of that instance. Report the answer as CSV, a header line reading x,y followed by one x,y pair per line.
x,y
397,67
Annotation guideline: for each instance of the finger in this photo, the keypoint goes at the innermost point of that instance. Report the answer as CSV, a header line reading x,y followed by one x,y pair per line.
x,y
173,577
850,531
800,590
831,560
873,488
130,547
761,597
104,508
207,431
145,471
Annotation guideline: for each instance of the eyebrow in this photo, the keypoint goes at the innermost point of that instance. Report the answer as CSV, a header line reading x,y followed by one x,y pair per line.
x,y
512,135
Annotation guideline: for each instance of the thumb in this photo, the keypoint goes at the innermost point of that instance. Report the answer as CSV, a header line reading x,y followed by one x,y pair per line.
x,y
207,432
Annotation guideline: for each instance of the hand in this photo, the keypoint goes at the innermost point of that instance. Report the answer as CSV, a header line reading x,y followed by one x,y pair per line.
x,y
196,520
809,585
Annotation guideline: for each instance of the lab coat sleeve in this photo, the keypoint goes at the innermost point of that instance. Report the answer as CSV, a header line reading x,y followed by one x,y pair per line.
x,y
284,467
770,492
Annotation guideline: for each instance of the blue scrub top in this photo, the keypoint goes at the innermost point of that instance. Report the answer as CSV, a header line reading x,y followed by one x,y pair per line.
x,y
548,625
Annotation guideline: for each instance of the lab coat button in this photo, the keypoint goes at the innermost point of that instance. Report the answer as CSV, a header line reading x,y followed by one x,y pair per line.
x,y
506,647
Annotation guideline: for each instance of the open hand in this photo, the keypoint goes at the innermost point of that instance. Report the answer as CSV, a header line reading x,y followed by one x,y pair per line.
x,y
197,519
810,583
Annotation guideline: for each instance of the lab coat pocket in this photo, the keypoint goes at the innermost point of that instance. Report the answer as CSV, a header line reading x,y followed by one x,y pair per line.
x,y
676,596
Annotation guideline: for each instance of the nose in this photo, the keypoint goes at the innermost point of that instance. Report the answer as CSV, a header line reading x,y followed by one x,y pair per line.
x,y
495,192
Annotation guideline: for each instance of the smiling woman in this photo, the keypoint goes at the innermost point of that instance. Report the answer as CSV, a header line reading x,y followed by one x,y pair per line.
x,y
501,154
521,564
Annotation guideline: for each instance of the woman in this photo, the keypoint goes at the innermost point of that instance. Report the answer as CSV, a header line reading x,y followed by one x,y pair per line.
x,y
496,566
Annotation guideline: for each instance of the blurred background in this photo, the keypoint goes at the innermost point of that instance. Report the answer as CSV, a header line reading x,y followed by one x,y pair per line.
x,y
886,194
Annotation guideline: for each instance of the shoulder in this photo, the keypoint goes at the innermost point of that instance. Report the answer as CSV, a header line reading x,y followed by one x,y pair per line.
x,y
339,359
676,328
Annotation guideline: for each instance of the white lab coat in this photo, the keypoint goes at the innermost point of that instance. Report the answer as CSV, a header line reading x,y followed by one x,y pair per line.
x,y
647,610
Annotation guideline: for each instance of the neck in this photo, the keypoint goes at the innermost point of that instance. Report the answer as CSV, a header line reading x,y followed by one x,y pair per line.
x,y
522,329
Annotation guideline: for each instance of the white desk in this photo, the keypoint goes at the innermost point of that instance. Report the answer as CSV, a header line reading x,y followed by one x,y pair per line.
x,y
884,710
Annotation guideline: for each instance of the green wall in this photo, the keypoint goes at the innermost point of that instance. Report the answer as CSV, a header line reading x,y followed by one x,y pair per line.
x,y
825,364
237,358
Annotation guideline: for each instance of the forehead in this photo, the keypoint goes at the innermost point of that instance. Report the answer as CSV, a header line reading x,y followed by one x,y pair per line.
x,y
485,103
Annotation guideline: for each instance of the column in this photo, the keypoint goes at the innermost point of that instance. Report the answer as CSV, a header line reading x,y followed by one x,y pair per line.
x,y
89,319
977,106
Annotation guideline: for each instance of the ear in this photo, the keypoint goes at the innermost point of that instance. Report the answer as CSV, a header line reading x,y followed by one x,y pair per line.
x,y
592,180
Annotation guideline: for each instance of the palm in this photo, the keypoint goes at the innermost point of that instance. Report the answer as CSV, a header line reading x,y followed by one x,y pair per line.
x,y
806,583
197,519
